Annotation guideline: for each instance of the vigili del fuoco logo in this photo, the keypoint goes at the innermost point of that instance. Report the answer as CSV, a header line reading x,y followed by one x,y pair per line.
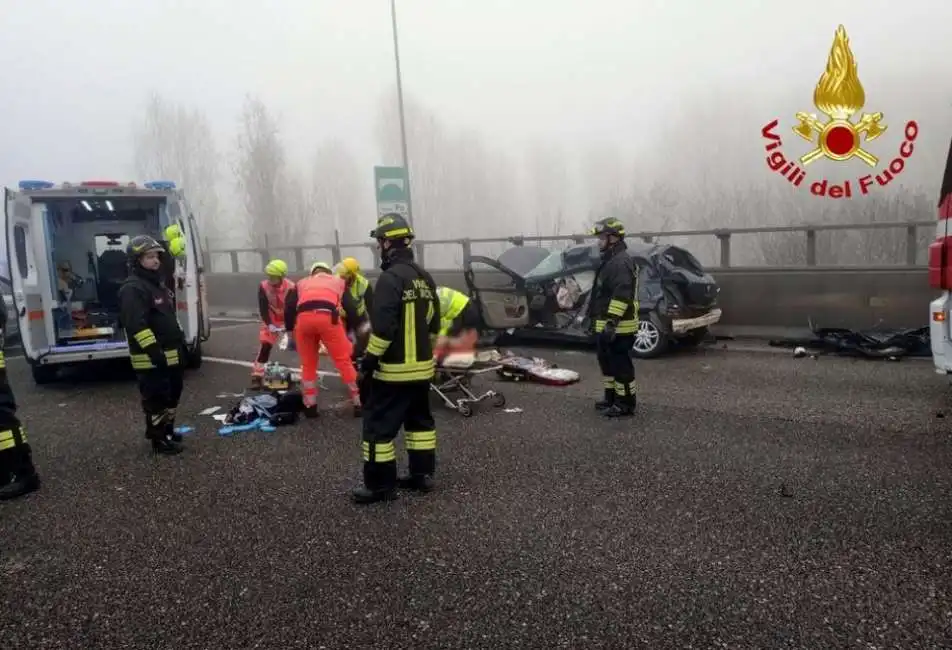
x,y
839,95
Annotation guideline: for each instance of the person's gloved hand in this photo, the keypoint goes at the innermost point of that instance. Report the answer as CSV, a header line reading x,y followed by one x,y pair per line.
x,y
158,358
608,334
368,364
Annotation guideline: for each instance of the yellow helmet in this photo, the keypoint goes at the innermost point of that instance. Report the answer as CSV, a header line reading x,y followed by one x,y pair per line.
x,y
172,232
276,268
348,267
177,247
321,266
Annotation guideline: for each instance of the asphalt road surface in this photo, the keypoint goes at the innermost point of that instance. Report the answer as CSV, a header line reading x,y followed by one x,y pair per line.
x,y
757,501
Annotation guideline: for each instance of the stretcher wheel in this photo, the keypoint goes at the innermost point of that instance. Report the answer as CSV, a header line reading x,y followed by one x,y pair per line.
x,y
464,409
499,400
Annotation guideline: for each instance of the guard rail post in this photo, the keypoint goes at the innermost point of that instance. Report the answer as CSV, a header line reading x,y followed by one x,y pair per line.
x,y
912,245
418,248
299,258
467,247
724,237
233,258
811,247
335,249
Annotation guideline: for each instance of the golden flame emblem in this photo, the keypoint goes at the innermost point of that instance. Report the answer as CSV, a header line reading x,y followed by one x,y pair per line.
x,y
839,94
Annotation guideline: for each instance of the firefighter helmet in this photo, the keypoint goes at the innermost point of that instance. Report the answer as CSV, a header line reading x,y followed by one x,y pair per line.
x,y
140,245
392,226
608,226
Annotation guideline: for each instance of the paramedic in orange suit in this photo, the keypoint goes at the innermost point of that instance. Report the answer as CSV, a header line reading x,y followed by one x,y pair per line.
x,y
272,298
313,314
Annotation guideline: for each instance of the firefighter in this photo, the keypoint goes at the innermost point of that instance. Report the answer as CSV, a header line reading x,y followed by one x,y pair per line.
x,y
359,287
147,313
614,314
17,474
399,366
272,297
313,316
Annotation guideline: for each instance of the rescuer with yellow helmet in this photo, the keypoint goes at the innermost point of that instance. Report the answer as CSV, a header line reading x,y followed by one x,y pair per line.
x,y
363,294
398,367
272,298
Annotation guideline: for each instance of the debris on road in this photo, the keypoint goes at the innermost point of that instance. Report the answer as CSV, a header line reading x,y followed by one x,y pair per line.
x,y
210,410
891,345
518,368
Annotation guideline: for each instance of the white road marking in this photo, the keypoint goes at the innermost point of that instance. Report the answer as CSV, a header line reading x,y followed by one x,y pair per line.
x,y
225,319
249,364
218,328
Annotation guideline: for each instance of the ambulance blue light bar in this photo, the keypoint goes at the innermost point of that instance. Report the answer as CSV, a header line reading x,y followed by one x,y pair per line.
x,y
29,186
160,185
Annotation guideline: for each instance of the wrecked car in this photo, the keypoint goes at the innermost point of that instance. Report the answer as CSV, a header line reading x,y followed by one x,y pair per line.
x,y
534,293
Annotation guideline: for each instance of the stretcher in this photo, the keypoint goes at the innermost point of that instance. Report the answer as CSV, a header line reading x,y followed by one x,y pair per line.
x,y
454,375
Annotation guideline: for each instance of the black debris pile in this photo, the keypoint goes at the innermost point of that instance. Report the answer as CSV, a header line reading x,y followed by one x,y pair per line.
x,y
874,343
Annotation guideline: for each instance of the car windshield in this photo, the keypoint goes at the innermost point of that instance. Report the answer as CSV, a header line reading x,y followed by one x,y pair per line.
x,y
553,264
523,259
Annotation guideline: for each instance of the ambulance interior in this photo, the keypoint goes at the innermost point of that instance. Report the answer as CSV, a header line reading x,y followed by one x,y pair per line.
x,y
86,240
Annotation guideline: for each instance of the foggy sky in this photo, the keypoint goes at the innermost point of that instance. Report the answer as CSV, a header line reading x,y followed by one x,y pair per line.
x,y
573,71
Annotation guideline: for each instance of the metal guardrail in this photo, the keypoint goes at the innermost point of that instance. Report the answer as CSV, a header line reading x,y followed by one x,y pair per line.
x,y
723,235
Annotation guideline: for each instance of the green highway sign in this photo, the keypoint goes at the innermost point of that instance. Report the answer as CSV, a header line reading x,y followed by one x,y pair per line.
x,y
390,184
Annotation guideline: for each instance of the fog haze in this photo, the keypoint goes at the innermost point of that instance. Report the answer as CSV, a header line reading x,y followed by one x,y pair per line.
x,y
615,97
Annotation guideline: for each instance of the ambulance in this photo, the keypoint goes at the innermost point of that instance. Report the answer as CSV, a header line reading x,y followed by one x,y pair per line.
x,y
940,277
66,255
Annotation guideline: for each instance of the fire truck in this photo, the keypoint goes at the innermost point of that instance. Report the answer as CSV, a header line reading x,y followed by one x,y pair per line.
x,y
940,277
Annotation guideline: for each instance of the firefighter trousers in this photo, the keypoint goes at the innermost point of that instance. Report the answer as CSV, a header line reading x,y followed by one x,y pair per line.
x,y
618,370
312,329
161,390
16,458
266,342
391,406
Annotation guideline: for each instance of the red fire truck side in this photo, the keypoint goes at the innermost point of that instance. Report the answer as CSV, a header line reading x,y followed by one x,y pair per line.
x,y
940,277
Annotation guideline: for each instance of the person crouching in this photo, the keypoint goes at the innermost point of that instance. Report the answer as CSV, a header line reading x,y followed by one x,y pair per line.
x,y
272,298
313,316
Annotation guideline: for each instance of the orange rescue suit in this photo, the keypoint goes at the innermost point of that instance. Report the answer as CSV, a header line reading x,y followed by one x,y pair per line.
x,y
313,314
272,299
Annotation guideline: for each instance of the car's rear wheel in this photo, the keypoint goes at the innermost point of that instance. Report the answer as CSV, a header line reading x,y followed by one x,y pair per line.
x,y
650,340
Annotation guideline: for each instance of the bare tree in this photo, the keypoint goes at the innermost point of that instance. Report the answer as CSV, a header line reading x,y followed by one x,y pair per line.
x,y
335,182
173,142
260,170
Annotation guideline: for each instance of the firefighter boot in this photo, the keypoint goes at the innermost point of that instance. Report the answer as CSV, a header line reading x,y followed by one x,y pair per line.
x,y
25,478
364,495
379,484
311,412
160,436
607,401
416,483
624,405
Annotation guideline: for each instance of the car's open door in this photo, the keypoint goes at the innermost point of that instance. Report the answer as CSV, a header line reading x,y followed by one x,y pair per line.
x,y
25,277
498,292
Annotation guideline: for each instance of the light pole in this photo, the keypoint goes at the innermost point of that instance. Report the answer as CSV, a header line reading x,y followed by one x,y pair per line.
x,y
403,126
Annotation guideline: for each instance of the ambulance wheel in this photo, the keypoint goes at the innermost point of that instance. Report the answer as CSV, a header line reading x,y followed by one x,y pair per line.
x,y
193,357
464,409
43,374
499,400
